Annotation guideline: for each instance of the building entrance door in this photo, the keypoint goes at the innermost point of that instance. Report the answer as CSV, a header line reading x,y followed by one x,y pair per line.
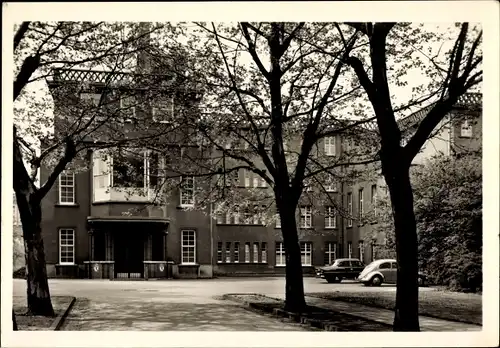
x,y
129,255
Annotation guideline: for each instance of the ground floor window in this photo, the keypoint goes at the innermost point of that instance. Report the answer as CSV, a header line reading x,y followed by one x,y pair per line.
x,y
255,252
361,251
330,252
280,254
219,252
263,251
236,252
306,253
247,252
66,246
228,252
349,249
188,247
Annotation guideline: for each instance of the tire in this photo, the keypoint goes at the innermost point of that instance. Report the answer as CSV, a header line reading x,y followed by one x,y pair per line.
x,y
376,280
338,280
330,279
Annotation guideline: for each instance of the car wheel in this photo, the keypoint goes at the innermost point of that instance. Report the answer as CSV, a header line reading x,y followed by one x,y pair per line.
x,y
338,280
330,280
376,280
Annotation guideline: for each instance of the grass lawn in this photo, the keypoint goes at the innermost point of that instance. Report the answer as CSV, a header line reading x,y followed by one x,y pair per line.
x,y
447,305
37,323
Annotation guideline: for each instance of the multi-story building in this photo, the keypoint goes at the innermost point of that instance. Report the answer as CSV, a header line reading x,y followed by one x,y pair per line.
x,y
460,131
95,226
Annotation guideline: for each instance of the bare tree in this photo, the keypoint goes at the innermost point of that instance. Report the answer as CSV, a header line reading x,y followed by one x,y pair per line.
x,y
454,76
42,49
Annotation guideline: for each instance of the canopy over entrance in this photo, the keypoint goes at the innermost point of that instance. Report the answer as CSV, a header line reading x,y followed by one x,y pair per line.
x,y
126,243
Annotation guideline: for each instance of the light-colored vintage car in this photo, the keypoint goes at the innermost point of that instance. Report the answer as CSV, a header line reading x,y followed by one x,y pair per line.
x,y
384,271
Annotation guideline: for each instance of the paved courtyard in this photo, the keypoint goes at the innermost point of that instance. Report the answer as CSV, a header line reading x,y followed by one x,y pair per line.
x,y
183,305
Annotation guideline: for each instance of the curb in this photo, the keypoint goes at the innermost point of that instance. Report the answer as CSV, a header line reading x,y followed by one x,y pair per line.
x,y
56,325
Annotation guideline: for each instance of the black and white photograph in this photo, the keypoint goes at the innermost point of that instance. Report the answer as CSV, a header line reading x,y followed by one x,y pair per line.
x,y
190,175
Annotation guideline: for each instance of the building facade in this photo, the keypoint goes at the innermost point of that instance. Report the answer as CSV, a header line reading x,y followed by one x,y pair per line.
x,y
94,226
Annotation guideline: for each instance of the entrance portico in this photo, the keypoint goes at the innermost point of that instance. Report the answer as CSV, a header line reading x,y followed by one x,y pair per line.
x,y
125,247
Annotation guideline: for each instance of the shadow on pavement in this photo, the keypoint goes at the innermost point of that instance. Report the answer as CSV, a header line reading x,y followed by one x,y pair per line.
x,y
153,316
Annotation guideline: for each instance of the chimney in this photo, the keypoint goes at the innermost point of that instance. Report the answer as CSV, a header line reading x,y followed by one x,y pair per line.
x,y
143,45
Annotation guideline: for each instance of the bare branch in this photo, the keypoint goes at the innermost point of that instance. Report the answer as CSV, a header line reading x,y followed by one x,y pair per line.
x,y
252,50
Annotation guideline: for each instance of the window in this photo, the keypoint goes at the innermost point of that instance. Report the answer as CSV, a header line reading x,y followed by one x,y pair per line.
x,y
247,252
394,265
349,249
255,252
256,218
307,186
154,169
66,246
331,186
263,183
263,252
92,98
127,107
236,215
188,247
330,253
361,247
360,203
280,254
247,217
67,188
466,129
247,178
255,180
228,252
236,252
372,250
330,146
187,191
356,264
385,265
305,217
220,218
349,209
306,253
330,219
163,111
374,199
219,252
129,169
278,220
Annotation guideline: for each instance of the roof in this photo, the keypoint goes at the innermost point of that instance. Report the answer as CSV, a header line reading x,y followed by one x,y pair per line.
x,y
384,260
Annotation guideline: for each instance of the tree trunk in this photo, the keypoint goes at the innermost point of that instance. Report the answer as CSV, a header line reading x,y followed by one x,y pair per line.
x,y
406,310
30,211
294,288
39,302
14,321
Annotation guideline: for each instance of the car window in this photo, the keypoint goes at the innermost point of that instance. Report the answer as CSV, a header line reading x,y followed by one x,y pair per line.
x,y
356,264
394,265
343,263
385,265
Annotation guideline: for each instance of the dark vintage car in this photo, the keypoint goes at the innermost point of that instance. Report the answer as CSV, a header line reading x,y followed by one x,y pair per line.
x,y
341,269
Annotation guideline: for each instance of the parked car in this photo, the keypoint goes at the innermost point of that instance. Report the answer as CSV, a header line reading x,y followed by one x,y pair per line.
x,y
341,269
384,271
